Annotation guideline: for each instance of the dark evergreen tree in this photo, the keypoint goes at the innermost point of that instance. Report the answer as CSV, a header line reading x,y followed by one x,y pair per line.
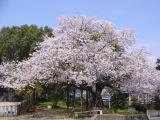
x,y
158,64
18,42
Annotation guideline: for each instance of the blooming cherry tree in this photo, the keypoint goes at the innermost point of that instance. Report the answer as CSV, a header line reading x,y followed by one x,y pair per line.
x,y
6,70
90,50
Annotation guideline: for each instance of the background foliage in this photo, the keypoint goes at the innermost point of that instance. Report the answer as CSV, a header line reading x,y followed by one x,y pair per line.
x,y
18,42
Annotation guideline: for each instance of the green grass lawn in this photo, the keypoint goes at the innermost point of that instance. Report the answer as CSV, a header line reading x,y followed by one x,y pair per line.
x,y
62,106
121,112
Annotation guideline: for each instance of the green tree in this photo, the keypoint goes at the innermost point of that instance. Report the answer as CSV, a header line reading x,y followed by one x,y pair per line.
x,y
18,42
119,99
158,64
156,102
55,93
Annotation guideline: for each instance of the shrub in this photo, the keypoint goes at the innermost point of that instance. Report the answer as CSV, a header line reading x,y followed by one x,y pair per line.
x,y
141,107
156,103
55,93
119,100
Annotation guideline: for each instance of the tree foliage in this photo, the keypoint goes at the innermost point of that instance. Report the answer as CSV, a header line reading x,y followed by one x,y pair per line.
x,y
55,93
90,50
156,102
18,42
158,64
119,99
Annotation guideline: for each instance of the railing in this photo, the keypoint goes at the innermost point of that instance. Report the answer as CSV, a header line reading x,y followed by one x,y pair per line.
x,y
9,108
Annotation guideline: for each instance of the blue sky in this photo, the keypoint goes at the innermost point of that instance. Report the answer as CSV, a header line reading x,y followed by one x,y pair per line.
x,y
143,16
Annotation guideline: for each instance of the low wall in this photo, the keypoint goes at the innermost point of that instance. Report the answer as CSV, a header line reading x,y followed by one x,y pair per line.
x,y
120,117
9,108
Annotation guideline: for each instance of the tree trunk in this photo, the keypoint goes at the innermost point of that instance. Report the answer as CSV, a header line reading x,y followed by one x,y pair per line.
x,y
109,102
86,99
81,99
129,99
33,97
67,101
74,93
93,93
99,101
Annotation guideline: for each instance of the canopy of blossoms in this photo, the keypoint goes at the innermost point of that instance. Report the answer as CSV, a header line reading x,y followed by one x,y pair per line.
x,y
90,50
